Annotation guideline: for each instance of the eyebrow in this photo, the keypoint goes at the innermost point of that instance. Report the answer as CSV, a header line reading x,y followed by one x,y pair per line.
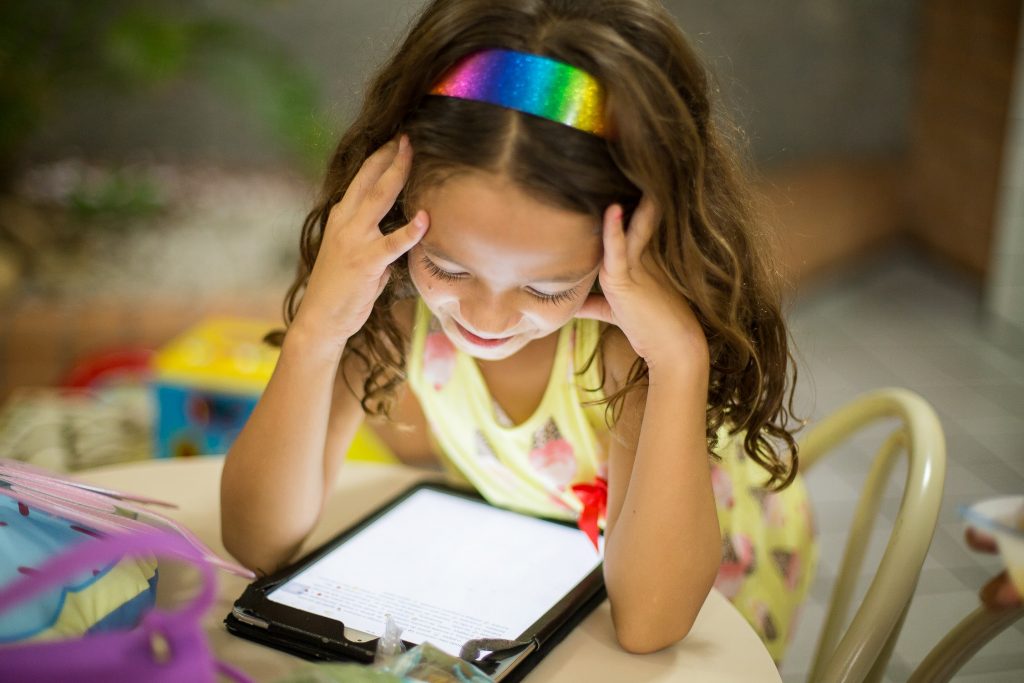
x,y
565,278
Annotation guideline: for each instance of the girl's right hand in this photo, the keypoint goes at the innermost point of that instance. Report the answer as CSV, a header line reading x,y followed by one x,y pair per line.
x,y
353,264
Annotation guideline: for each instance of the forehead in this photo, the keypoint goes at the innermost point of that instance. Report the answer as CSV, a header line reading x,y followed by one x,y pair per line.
x,y
484,220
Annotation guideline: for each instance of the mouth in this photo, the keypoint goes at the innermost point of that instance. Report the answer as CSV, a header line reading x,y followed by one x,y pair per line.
x,y
480,341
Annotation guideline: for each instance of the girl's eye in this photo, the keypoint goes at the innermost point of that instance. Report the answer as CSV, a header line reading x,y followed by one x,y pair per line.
x,y
558,298
442,274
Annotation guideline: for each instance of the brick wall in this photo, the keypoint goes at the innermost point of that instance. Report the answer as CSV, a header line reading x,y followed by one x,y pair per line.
x,y
827,214
40,341
958,123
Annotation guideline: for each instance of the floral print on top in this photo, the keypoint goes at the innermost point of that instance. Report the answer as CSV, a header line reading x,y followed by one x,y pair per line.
x,y
438,357
552,456
769,551
544,465
531,466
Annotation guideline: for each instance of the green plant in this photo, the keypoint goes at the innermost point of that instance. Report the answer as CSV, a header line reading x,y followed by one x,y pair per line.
x,y
52,48
121,193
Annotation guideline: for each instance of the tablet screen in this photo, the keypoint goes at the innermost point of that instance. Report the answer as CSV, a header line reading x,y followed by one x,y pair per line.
x,y
448,569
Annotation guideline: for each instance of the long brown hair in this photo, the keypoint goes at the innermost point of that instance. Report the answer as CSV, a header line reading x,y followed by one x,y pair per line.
x,y
666,144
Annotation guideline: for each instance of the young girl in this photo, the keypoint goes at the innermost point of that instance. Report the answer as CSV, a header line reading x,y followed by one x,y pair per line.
x,y
535,254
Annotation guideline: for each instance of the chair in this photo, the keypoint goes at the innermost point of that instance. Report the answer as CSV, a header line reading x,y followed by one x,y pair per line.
x,y
863,650
960,644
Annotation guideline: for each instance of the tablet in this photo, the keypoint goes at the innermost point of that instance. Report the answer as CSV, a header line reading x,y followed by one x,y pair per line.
x,y
447,566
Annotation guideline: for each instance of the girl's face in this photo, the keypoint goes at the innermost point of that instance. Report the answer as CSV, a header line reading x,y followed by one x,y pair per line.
x,y
499,269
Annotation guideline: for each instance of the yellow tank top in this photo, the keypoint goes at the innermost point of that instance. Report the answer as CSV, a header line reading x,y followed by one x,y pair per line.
x,y
528,467
769,553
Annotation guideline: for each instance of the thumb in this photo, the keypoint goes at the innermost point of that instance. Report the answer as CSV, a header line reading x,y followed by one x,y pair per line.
x,y
405,238
596,307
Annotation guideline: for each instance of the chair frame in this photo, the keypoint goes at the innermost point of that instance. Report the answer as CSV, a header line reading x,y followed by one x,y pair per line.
x,y
863,650
960,644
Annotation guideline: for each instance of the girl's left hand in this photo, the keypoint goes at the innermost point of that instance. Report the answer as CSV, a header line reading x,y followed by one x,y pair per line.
x,y
638,298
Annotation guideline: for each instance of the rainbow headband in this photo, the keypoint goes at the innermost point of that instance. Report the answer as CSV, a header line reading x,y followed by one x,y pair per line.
x,y
528,83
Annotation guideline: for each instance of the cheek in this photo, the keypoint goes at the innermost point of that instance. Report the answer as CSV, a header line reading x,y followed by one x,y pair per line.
x,y
429,287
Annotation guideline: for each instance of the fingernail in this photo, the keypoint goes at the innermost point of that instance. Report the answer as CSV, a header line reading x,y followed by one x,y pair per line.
x,y
403,143
420,220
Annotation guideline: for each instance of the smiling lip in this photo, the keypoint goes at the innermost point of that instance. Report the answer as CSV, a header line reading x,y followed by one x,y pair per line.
x,y
480,341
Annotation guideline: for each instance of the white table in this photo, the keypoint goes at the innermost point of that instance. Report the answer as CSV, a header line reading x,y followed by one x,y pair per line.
x,y
720,647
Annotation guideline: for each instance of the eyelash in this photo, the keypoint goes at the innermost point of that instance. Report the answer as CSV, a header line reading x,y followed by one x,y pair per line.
x,y
444,275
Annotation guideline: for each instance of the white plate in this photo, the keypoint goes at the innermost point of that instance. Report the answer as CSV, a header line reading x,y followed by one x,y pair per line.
x,y
1003,518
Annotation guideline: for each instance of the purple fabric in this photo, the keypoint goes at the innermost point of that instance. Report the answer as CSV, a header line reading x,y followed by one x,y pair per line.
x,y
122,655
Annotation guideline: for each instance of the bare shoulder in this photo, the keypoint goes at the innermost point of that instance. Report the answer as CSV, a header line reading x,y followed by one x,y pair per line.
x,y
406,433
349,384
404,311
617,356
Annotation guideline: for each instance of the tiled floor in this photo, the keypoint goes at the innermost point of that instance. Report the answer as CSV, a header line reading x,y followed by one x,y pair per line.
x,y
903,321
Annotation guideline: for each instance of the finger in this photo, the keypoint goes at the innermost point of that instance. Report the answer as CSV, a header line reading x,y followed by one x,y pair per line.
x,y
396,243
596,307
1000,593
366,177
980,541
641,229
379,199
615,263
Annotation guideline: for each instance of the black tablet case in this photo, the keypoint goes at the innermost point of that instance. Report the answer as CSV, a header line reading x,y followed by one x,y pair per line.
x,y
304,643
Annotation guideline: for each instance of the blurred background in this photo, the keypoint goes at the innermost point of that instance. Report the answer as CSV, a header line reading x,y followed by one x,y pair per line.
x,y
157,159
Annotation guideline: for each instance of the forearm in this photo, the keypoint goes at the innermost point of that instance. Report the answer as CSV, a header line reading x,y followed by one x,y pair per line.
x,y
662,554
273,479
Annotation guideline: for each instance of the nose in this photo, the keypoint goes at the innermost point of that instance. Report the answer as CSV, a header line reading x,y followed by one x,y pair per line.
x,y
488,316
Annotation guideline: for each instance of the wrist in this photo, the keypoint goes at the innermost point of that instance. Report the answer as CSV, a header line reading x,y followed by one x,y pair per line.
x,y
302,341
679,374
682,362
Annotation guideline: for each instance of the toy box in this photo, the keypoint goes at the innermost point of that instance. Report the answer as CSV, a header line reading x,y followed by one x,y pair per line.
x,y
206,383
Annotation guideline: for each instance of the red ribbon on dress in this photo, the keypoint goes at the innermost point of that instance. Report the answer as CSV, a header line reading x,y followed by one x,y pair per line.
x,y
595,504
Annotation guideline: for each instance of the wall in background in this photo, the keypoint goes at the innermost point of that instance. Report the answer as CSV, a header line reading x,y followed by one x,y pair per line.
x,y
806,78
1005,290
968,51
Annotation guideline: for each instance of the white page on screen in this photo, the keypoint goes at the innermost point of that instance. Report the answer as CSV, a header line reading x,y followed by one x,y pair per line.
x,y
447,569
